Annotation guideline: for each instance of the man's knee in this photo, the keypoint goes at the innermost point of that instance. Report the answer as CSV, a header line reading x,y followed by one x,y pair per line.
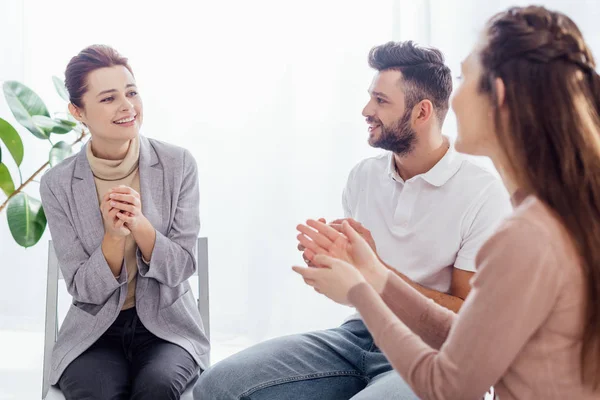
x,y
221,381
256,371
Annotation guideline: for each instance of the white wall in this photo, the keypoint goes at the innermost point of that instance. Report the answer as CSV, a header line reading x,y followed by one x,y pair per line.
x,y
22,279
267,95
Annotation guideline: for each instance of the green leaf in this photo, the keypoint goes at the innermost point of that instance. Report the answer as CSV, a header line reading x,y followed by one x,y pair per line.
x,y
49,125
26,219
67,122
6,183
59,152
24,104
12,140
65,116
59,85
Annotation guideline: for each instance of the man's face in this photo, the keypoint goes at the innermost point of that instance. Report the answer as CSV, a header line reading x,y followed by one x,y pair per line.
x,y
389,118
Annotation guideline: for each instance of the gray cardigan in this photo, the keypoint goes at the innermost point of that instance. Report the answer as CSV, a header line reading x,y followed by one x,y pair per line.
x,y
164,302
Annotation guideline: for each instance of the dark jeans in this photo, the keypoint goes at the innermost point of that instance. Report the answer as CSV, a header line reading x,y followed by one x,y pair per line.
x,y
129,362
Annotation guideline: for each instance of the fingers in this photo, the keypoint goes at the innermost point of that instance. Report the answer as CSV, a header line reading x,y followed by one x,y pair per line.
x,y
121,189
309,254
306,272
323,260
125,217
337,227
318,238
355,224
324,229
120,201
125,198
305,258
309,244
116,214
119,223
124,189
112,213
309,258
350,232
361,230
104,203
302,248
123,206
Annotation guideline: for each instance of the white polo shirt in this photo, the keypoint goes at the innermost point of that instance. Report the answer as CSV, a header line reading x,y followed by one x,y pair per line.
x,y
425,226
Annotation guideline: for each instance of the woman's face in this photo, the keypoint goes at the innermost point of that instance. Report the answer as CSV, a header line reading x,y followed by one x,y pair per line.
x,y
112,107
474,111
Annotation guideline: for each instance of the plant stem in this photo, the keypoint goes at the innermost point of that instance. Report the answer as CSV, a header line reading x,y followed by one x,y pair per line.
x,y
36,173
20,188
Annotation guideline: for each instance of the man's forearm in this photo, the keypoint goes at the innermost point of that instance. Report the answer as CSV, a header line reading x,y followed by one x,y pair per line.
x,y
452,303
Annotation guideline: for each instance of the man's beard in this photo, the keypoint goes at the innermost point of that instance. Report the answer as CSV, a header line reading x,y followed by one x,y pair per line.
x,y
398,138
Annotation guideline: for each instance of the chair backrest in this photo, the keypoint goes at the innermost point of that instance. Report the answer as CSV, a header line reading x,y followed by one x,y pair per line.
x,y
51,323
203,284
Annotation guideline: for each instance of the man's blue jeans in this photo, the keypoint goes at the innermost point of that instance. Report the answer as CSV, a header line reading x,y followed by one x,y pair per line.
x,y
335,364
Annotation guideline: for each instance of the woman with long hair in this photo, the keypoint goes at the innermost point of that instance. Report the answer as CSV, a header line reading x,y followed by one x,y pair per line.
x,y
530,327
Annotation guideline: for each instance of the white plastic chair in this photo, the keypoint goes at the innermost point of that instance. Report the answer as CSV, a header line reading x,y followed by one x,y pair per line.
x,y
51,326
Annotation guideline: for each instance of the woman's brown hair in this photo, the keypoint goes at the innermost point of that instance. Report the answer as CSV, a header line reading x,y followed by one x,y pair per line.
x,y
89,59
552,137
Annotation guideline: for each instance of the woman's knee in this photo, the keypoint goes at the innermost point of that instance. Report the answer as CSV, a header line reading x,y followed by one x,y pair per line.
x,y
160,383
95,375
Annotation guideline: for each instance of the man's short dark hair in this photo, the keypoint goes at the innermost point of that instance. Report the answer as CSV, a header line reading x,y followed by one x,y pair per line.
x,y
424,74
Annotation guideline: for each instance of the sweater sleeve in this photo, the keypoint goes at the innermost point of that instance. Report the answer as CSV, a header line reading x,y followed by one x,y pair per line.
x,y
514,290
420,314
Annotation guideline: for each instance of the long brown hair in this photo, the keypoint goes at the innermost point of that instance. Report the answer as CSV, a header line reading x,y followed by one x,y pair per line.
x,y
552,140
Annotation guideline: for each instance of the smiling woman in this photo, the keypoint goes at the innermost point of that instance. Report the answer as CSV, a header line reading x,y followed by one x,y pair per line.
x,y
106,99
148,346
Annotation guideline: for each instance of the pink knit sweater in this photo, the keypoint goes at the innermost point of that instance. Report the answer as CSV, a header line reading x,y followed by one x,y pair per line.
x,y
519,329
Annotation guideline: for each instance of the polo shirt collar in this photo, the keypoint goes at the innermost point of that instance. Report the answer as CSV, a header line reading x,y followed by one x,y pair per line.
x,y
437,176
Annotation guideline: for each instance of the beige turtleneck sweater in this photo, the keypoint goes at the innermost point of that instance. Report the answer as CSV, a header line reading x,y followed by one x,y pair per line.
x,y
112,173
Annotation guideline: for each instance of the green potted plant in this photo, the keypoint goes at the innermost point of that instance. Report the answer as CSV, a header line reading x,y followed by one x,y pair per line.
x,y
24,213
